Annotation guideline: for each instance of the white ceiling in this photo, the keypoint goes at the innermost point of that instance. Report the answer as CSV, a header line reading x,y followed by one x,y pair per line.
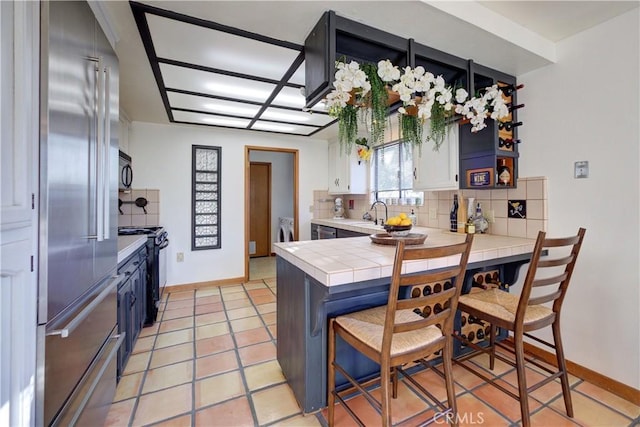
x,y
511,36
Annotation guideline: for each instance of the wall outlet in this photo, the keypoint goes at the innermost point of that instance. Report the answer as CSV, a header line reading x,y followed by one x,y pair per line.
x,y
490,216
433,213
311,208
180,257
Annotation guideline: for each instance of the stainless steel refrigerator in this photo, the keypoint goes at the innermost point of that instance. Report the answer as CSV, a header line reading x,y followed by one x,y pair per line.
x,y
77,300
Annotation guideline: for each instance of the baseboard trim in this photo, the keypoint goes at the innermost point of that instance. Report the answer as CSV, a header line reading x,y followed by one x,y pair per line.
x,y
207,284
622,390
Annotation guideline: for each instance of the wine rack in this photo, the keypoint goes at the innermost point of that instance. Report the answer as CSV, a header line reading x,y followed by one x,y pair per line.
x,y
475,330
489,158
418,291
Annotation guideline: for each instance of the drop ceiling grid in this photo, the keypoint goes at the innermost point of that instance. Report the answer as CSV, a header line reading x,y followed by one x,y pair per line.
x,y
233,79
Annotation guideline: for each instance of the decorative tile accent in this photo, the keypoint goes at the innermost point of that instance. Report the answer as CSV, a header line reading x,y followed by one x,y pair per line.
x,y
517,209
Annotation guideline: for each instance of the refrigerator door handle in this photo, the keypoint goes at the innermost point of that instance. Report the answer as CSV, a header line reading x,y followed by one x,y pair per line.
x,y
73,324
100,155
107,145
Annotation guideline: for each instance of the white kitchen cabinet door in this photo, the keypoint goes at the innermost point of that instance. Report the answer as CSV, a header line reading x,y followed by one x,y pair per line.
x,y
437,170
346,176
123,133
19,142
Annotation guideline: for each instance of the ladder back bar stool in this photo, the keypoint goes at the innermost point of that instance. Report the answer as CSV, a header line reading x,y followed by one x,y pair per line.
x,y
395,335
546,281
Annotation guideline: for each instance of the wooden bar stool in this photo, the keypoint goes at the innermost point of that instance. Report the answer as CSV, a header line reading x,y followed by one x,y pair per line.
x,y
394,335
526,313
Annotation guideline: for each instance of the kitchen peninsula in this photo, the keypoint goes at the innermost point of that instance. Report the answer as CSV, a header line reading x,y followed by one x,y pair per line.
x,y
324,278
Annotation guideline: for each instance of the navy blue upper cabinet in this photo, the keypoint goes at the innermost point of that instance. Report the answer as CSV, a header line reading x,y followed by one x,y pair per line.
x,y
483,154
334,38
453,69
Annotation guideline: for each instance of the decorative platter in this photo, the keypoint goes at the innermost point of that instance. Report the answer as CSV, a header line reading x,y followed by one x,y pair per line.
x,y
387,239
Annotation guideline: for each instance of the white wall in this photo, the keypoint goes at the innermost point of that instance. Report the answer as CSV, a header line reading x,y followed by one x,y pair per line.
x,y
161,158
585,107
281,185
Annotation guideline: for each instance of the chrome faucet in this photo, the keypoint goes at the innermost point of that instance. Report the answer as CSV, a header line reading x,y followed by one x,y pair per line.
x,y
386,213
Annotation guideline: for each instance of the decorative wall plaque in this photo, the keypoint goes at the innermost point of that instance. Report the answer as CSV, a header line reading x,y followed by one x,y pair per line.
x,y
517,209
480,177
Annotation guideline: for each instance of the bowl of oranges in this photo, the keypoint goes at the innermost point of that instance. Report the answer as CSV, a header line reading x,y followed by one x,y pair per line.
x,y
398,226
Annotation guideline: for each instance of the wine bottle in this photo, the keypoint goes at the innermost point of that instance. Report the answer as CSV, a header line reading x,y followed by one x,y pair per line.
x,y
415,293
480,334
437,288
453,215
478,284
471,336
507,142
512,107
413,218
426,291
508,126
504,173
509,89
473,319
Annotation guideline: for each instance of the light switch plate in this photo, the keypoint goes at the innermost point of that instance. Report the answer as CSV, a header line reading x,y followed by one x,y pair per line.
x,y
581,169
433,213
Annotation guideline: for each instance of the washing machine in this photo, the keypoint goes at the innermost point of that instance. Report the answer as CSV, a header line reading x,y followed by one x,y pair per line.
x,y
285,229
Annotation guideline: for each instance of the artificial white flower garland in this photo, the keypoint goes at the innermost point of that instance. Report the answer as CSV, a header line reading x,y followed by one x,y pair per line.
x,y
412,83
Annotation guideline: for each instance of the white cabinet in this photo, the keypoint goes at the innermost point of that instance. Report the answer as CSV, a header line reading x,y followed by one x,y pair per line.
x,y
123,135
346,176
437,170
19,126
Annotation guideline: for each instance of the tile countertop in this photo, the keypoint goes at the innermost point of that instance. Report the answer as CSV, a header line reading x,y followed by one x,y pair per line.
x,y
339,261
128,245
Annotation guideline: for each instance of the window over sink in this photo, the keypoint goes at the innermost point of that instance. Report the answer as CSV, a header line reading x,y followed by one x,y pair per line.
x,y
392,174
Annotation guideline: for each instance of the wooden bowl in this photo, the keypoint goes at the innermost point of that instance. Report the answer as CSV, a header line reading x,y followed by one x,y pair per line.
x,y
398,230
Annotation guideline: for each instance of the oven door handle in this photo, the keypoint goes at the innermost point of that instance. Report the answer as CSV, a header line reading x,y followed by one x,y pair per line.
x,y
164,244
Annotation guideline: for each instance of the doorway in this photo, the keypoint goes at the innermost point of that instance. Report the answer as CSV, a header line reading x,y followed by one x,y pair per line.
x,y
284,203
260,211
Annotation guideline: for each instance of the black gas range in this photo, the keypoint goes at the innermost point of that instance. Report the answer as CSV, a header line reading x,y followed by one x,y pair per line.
x,y
157,241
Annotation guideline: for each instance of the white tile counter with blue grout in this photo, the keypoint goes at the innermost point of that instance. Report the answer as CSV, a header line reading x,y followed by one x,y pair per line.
x,y
319,279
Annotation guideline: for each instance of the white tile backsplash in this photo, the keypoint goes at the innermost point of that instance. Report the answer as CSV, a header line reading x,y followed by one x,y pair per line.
x,y
534,190
133,215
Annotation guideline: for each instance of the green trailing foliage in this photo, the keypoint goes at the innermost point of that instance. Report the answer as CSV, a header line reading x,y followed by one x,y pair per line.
x,y
377,98
347,127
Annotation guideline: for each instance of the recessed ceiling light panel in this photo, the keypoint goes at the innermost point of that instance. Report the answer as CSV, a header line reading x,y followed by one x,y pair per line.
x,y
195,44
175,77
301,117
202,103
206,119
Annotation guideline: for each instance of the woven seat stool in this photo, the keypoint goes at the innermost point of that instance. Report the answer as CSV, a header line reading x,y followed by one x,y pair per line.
x,y
395,335
546,282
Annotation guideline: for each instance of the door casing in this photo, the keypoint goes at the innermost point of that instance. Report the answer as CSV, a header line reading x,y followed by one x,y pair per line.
x,y
247,192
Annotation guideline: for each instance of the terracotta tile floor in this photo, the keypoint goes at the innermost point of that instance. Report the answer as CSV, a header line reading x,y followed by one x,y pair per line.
x,y
210,360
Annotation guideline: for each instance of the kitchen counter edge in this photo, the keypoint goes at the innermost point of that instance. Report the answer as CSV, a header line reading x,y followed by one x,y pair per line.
x,y
128,245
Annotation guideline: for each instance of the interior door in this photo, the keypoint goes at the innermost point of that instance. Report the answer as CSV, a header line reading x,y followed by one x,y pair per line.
x,y
260,209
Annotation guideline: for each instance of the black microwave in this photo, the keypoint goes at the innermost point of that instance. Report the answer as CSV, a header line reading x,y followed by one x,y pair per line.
x,y
126,173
